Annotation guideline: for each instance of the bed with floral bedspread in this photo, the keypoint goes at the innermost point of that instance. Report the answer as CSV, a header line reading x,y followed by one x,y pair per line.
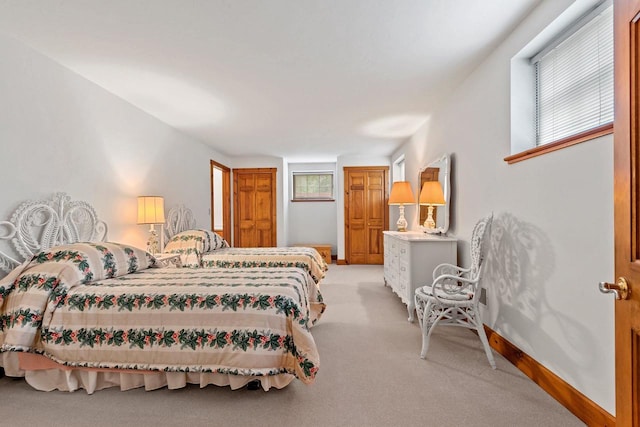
x,y
303,257
203,248
103,306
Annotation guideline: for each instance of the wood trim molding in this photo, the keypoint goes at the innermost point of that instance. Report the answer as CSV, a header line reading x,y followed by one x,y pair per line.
x,y
579,404
562,143
312,200
226,199
341,261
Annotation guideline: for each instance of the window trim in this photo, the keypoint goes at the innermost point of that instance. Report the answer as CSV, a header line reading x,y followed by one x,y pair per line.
x,y
571,30
399,169
314,172
522,65
588,135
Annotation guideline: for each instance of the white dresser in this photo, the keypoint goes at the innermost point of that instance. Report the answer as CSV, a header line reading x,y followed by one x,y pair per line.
x,y
409,260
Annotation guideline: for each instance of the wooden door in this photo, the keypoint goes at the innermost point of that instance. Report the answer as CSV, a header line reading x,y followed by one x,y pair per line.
x,y
366,214
221,203
627,208
254,192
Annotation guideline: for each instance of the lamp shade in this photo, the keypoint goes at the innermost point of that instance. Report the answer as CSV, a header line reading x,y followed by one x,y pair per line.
x,y
150,210
432,194
401,193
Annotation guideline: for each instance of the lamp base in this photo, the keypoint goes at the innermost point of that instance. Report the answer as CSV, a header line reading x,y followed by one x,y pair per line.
x,y
152,242
402,222
429,225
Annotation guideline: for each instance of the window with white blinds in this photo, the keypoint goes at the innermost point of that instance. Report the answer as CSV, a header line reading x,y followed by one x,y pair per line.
x,y
312,186
574,79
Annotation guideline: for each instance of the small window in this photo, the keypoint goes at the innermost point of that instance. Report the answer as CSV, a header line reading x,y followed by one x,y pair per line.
x,y
562,83
574,79
312,186
399,169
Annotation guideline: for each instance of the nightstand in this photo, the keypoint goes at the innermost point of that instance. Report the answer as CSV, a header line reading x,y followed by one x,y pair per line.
x,y
323,249
168,260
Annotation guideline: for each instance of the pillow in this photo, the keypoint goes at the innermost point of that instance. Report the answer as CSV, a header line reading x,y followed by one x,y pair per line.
x,y
216,241
191,244
96,261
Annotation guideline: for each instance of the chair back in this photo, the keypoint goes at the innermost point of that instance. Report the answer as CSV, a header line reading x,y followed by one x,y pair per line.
x,y
480,232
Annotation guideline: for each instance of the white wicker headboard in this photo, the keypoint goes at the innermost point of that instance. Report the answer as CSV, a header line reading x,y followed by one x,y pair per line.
x,y
179,218
42,224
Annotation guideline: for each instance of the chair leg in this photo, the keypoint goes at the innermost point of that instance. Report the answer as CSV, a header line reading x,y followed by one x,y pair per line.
x,y
485,344
419,309
425,343
427,328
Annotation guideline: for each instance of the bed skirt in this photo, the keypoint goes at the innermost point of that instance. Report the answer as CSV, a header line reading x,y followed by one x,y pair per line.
x,y
44,374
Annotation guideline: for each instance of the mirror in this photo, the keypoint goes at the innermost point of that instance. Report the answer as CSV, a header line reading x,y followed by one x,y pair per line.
x,y
437,170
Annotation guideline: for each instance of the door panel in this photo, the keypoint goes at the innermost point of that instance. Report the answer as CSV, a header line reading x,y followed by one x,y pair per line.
x,y
377,211
626,208
357,252
376,247
366,214
255,207
358,245
265,210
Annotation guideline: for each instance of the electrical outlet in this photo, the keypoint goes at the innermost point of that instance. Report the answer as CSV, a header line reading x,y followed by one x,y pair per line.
x,y
483,296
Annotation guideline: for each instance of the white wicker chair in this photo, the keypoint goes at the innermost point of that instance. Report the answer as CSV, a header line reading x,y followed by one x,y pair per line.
x,y
453,297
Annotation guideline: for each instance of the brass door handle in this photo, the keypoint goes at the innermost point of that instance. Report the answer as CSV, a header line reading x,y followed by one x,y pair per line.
x,y
620,289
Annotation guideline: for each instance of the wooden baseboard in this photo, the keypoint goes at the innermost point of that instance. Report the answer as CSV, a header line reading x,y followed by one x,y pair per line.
x,y
579,404
341,262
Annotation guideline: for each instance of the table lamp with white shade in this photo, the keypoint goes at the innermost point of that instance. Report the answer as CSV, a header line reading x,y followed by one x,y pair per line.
x,y
151,211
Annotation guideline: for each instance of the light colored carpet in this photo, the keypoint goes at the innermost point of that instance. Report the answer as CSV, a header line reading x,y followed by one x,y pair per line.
x,y
370,375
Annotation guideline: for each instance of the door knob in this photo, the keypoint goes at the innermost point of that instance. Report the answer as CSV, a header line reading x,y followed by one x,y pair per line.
x,y
620,289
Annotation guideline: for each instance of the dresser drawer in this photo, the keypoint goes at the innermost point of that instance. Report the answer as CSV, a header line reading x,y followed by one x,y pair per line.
x,y
403,250
404,281
403,270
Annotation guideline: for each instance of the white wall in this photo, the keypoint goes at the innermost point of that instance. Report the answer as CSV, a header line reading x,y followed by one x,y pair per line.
x,y
552,238
60,132
293,218
312,222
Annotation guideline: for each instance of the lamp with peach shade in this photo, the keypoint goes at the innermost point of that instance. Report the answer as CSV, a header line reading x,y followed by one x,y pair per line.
x,y
401,195
431,195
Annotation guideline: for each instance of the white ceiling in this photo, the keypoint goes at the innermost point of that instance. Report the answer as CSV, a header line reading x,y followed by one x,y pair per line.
x,y
308,80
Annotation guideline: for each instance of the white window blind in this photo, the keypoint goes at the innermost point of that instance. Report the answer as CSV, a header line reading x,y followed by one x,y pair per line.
x,y
313,185
574,80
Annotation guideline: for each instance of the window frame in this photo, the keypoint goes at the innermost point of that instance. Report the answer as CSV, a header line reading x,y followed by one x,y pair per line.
x,y
399,169
313,199
523,148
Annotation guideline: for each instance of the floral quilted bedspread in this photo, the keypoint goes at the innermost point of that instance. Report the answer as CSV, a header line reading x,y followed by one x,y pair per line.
x,y
306,258
74,308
